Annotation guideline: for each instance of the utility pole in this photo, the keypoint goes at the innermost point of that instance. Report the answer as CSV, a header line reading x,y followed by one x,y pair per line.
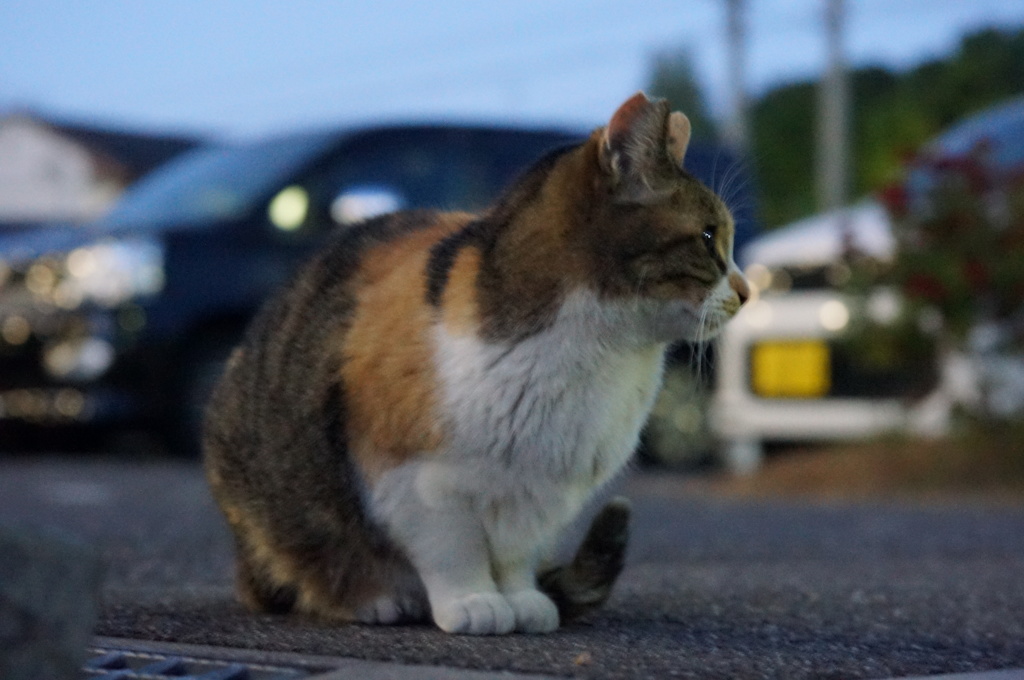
x,y
833,145
736,132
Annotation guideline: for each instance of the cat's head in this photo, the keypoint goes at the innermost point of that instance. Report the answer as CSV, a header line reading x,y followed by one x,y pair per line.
x,y
656,235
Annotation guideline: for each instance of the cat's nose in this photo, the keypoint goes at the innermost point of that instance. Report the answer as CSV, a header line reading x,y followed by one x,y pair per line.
x,y
740,286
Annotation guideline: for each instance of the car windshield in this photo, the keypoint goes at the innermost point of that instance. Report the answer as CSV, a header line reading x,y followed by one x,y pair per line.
x,y
215,183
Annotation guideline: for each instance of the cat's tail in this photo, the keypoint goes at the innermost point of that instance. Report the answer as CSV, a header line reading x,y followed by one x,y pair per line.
x,y
585,583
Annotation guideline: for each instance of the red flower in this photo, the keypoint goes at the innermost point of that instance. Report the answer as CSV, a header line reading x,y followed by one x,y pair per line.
x,y
894,197
926,287
976,274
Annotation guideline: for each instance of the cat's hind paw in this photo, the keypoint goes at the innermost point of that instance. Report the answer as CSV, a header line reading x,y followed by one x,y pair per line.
x,y
476,614
535,612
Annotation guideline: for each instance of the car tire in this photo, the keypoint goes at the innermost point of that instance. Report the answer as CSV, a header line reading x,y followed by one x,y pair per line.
x,y
678,434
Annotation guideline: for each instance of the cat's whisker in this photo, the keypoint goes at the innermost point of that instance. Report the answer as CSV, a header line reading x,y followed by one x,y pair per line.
x,y
699,342
734,181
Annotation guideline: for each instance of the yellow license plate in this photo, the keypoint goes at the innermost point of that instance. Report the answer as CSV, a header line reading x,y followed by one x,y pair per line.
x,y
798,369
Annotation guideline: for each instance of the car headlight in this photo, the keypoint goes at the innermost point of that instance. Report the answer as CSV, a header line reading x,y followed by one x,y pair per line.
x,y
110,273
834,315
78,359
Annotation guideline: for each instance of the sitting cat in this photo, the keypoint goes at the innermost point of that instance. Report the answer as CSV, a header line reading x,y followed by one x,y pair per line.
x,y
408,427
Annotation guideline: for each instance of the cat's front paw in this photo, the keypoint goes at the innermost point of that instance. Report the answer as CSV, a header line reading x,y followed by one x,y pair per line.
x,y
476,614
535,612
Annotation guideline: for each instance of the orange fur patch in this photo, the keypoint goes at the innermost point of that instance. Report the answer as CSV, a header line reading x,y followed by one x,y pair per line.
x,y
541,235
264,554
389,355
460,308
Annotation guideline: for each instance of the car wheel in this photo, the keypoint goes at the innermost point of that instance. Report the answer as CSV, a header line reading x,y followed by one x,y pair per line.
x,y
678,434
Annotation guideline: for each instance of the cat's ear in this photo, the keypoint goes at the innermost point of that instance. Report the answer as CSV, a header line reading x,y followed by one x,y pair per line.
x,y
678,136
641,138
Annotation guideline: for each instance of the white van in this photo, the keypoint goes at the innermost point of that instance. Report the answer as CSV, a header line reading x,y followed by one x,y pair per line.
x,y
781,372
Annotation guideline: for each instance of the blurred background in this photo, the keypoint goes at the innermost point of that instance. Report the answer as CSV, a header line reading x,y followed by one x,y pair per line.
x,y
164,166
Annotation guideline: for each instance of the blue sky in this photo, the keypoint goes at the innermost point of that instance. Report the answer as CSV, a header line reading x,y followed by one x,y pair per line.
x,y
240,68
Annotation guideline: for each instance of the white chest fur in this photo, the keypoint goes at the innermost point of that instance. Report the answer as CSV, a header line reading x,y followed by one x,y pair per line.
x,y
533,428
563,407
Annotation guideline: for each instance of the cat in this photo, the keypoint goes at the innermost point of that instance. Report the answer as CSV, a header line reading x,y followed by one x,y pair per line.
x,y
405,430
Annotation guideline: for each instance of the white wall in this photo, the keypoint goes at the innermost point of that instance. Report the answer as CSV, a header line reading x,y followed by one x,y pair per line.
x,y
45,176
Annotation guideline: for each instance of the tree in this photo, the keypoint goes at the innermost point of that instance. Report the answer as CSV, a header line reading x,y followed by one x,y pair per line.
x,y
782,138
893,115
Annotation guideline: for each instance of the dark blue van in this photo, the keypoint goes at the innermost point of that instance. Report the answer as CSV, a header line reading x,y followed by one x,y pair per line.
x,y
128,319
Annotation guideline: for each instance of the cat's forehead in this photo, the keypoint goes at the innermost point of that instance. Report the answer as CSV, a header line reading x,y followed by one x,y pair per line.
x,y
691,195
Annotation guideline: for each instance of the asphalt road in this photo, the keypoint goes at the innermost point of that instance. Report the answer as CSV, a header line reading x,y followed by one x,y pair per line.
x,y
714,588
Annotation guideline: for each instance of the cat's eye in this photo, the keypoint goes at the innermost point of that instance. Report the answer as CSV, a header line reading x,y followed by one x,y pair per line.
x,y
709,235
710,230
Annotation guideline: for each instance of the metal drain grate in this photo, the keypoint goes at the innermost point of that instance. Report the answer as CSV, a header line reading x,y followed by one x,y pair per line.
x,y
116,664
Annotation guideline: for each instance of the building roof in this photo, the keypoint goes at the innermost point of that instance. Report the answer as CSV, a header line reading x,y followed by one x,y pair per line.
x,y
137,152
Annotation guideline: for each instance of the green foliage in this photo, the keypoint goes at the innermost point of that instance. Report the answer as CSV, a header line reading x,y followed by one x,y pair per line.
x,y
782,124
893,114
672,77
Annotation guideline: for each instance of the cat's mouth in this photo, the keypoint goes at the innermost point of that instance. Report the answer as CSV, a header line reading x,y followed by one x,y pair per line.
x,y
712,319
682,320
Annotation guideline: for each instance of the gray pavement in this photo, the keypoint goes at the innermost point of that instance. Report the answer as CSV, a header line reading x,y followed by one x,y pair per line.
x,y
714,588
